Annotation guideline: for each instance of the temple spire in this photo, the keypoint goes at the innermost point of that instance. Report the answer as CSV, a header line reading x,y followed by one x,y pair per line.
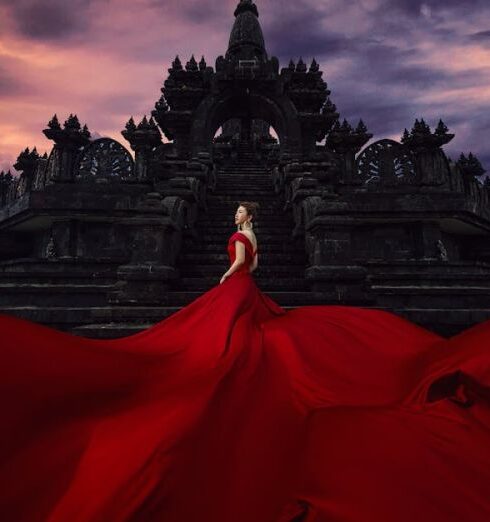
x,y
246,38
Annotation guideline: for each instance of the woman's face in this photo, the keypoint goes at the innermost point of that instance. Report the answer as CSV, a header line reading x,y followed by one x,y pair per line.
x,y
241,215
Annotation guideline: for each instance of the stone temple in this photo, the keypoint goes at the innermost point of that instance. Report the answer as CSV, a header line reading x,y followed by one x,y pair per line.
x,y
99,244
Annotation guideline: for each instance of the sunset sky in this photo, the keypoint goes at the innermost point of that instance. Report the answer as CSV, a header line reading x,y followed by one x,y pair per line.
x,y
385,61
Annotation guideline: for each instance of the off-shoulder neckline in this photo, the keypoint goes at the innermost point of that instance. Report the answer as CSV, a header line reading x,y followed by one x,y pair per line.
x,y
248,239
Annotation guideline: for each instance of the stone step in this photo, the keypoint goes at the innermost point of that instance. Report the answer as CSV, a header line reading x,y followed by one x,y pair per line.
x,y
432,289
291,298
224,212
244,170
249,188
441,321
71,317
242,152
266,249
265,237
451,277
265,209
415,268
243,176
266,284
114,330
245,186
244,193
33,278
73,265
433,295
215,197
244,179
245,164
74,316
48,294
113,322
244,183
261,196
270,271
266,258
218,195
224,227
264,220
268,224
260,228
135,314
240,156
218,198
57,271
61,316
109,330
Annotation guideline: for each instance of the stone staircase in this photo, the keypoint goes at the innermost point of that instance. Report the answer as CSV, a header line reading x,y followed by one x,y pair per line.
x,y
202,262
446,303
60,294
74,298
40,290
281,261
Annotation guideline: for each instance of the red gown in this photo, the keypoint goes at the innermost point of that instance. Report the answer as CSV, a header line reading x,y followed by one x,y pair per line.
x,y
235,410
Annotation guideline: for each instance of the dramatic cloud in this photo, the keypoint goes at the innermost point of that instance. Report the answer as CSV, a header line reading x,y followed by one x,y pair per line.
x,y
385,61
51,19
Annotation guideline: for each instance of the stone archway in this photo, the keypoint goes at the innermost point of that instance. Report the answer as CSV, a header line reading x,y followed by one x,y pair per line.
x,y
214,111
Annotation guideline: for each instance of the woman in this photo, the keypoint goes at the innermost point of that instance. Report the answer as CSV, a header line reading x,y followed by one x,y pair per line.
x,y
234,410
243,217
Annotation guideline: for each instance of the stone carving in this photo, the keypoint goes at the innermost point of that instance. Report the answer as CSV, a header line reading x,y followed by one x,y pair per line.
x,y
105,158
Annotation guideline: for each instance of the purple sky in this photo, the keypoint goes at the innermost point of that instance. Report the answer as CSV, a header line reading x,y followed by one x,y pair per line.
x,y
385,61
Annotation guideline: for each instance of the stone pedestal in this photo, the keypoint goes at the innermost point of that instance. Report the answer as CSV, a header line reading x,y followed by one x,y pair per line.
x,y
155,244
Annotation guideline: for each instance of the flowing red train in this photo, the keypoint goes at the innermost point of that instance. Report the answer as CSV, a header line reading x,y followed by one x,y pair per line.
x,y
235,410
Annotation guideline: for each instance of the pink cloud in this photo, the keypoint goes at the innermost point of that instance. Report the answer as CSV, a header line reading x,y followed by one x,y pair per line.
x,y
110,58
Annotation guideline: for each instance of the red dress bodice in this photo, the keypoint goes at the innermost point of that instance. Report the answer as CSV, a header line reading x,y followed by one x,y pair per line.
x,y
249,251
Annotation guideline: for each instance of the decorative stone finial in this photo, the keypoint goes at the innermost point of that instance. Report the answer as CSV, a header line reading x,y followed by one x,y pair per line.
x,y
246,5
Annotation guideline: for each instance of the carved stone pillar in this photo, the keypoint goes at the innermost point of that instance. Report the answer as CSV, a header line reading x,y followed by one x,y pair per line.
x,y
333,269
143,139
155,242
347,142
61,240
431,162
26,163
68,142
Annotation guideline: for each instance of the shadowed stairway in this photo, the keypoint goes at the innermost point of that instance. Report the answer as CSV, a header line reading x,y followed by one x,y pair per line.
x,y
77,299
202,262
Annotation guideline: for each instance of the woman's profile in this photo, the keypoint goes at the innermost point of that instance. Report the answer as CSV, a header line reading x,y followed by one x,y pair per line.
x,y
243,218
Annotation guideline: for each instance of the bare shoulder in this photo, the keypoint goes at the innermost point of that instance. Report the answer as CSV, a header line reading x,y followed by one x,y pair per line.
x,y
251,237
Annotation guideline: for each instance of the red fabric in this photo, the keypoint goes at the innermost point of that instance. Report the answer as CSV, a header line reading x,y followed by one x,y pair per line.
x,y
234,410
249,250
